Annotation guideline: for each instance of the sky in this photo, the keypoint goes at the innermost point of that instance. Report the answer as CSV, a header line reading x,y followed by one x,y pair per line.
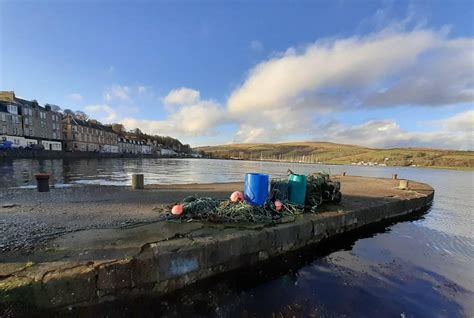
x,y
377,74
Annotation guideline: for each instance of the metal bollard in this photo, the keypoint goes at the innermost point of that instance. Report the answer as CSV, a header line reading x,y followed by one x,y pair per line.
x,y
394,176
344,173
403,185
138,181
42,182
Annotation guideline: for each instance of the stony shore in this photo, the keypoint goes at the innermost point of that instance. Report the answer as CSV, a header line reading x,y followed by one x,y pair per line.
x,y
86,245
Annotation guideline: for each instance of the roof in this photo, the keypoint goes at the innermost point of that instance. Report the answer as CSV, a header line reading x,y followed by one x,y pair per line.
x,y
90,124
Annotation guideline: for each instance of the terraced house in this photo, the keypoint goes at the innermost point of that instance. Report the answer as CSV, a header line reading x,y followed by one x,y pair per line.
x,y
27,119
88,135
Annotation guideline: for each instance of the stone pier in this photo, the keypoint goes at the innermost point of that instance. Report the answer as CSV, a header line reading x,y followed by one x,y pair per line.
x,y
97,265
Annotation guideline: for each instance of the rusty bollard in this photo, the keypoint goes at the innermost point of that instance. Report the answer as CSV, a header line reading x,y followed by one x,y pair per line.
x,y
394,176
137,181
42,182
403,185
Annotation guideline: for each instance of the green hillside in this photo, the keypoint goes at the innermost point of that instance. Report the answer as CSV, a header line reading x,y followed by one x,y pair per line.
x,y
330,153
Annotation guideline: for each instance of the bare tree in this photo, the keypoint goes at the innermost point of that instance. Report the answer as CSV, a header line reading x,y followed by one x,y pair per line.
x,y
79,114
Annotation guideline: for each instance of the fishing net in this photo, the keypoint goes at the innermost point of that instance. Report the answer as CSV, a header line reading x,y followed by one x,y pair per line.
x,y
279,189
225,211
320,188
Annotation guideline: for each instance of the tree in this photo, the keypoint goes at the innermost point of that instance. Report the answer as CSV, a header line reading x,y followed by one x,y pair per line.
x,y
137,131
119,129
54,108
68,112
79,114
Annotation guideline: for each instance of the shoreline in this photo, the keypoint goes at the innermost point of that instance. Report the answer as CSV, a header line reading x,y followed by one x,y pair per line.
x,y
58,155
351,165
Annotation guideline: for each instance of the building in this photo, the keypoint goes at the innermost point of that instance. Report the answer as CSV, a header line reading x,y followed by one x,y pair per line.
x,y
37,123
168,152
10,120
81,135
129,146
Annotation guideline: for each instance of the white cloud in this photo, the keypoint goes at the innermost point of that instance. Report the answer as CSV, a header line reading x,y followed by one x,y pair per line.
x,y
284,97
463,122
117,92
106,112
195,120
75,97
191,116
386,69
455,133
256,46
181,96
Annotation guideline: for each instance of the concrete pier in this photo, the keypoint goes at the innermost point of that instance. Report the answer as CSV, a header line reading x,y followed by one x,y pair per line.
x,y
98,265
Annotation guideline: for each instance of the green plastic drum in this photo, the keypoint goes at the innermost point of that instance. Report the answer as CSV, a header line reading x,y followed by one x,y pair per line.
x,y
297,188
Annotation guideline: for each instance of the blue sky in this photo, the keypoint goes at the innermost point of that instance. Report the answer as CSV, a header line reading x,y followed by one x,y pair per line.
x,y
381,74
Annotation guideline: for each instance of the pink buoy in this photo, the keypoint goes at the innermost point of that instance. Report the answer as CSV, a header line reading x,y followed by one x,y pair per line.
x,y
278,205
237,196
177,209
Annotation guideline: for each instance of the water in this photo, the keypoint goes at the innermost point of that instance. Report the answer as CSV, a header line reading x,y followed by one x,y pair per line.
x,y
418,267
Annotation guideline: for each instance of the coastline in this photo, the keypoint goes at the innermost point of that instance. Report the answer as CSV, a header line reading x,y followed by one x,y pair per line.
x,y
350,164
53,155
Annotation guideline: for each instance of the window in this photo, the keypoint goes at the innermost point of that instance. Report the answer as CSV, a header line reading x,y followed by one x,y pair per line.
x,y
3,117
43,124
54,135
26,121
12,109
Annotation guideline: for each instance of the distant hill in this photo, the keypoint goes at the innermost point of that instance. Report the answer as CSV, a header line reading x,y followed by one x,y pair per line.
x,y
331,153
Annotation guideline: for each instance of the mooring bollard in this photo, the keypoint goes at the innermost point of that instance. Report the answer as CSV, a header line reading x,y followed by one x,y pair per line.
x,y
394,176
137,181
42,182
403,185
344,173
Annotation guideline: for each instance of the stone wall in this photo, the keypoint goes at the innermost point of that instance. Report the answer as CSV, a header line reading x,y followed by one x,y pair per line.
x,y
164,266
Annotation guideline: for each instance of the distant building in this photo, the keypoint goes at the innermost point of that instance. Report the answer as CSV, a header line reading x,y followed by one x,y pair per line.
x,y
168,152
133,146
81,135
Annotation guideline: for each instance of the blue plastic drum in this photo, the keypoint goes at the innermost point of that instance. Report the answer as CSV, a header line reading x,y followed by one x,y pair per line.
x,y
256,188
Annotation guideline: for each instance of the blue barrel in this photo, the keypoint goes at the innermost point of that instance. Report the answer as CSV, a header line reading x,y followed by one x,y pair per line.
x,y
256,188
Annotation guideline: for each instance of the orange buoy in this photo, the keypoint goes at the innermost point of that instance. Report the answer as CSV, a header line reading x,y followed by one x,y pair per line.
x,y
177,209
278,205
237,196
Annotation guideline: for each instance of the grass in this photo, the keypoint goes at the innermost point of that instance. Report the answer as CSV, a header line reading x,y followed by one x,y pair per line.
x,y
331,153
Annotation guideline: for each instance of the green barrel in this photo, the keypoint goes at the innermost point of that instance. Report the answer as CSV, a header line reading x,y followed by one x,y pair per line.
x,y
297,188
